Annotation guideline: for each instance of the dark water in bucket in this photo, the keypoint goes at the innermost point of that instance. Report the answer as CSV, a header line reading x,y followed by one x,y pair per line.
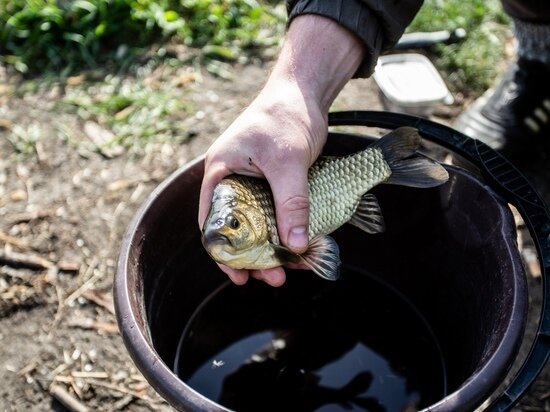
x,y
312,345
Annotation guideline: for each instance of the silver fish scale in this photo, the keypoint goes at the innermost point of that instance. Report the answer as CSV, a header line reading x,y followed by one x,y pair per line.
x,y
336,186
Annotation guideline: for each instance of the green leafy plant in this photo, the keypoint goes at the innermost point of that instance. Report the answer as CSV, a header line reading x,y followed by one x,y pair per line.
x,y
472,64
65,35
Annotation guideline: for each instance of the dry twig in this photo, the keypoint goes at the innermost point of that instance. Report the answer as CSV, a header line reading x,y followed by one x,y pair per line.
x,y
88,375
24,259
120,389
86,285
68,400
88,323
60,308
68,266
29,216
11,240
122,403
100,300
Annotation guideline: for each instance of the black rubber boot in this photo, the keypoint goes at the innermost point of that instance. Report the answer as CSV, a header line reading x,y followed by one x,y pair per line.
x,y
514,117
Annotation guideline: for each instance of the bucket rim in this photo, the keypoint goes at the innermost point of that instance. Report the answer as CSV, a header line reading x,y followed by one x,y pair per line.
x,y
510,183
138,344
516,190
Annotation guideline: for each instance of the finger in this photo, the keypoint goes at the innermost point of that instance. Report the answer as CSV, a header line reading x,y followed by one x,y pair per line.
x,y
290,193
237,276
274,277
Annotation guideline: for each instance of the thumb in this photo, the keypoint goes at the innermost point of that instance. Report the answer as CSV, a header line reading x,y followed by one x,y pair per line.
x,y
290,193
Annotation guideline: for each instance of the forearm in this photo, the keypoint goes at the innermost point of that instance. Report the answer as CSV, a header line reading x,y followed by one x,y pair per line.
x,y
284,129
378,24
318,58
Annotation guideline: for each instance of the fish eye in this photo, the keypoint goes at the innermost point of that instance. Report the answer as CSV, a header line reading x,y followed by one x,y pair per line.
x,y
232,222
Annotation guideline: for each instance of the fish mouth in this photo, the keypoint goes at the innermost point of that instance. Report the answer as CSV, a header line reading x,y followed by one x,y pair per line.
x,y
211,238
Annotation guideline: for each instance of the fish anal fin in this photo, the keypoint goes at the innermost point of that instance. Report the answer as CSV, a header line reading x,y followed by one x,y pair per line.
x,y
368,216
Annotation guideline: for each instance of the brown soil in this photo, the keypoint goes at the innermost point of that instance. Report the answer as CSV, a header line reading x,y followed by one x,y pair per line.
x,y
65,215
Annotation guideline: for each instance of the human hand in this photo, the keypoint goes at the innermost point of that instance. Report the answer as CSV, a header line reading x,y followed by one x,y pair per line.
x,y
284,129
276,139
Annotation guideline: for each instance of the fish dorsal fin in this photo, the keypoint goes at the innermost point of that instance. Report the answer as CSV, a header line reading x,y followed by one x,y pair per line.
x,y
408,167
323,257
368,216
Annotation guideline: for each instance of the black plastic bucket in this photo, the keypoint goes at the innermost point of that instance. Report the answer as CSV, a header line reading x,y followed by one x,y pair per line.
x,y
449,253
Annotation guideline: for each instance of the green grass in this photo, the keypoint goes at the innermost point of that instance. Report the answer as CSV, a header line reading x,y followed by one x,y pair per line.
x,y
67,36
471,65
136,112
116,49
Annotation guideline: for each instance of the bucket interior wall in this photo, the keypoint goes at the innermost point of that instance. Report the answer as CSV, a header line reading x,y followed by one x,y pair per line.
x,y
444,249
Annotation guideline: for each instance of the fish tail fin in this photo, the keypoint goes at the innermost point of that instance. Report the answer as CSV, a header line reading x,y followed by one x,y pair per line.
x,y
323,257
408,167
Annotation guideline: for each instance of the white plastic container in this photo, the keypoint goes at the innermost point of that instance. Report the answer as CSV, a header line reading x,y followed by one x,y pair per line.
x,y
411,84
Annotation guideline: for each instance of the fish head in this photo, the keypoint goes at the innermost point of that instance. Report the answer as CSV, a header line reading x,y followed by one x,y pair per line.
x,y
234,228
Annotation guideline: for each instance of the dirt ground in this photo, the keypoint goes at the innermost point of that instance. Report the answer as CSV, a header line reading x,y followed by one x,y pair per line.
x,y
62,217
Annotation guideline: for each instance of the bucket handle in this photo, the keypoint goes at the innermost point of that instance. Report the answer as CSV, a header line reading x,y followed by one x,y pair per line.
x,y
506,179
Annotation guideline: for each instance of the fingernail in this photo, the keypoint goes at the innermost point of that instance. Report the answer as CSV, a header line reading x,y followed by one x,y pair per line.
x,y
297,237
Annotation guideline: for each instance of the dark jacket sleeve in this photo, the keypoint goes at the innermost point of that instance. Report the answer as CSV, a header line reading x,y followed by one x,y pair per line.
x,y
378,23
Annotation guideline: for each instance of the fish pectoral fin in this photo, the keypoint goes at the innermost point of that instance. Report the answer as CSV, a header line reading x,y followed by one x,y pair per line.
x,y
323,257
286,255
368,216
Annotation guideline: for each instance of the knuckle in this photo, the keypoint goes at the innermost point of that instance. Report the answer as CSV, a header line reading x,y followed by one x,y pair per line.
x,y
294,211
296,204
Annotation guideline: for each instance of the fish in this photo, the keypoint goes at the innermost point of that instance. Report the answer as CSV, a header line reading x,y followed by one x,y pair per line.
x,y
240,230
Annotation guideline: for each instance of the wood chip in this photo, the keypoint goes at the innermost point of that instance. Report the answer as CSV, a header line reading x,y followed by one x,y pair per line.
x,y
119,185
68,266
5,123
102,138
76,80
18,195
107,327
184,79
124,113
86,375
